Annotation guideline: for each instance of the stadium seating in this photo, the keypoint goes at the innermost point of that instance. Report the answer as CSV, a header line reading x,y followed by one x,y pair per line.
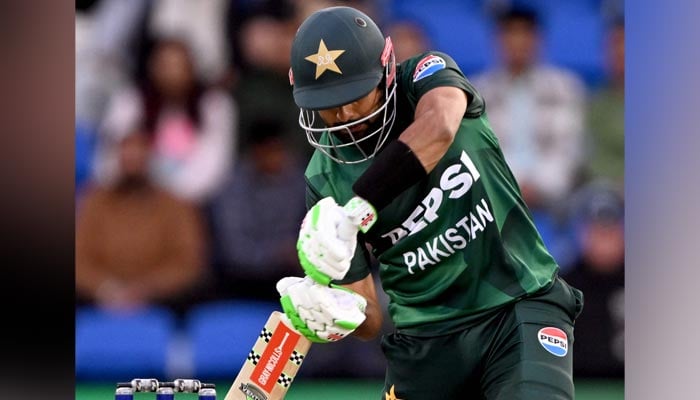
x,y
121,346
573,32
85,137
222,333
574,38
455,27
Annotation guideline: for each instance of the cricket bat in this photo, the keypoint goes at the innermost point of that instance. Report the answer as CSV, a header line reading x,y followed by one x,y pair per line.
x,y
272,364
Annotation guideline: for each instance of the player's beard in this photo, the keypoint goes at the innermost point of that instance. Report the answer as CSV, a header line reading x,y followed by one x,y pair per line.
x,y
367,145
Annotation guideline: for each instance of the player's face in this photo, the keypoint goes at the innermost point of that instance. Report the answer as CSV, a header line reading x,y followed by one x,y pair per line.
x,y
348,113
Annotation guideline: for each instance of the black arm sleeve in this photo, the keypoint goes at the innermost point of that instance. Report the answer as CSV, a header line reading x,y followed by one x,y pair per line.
x,y
394,170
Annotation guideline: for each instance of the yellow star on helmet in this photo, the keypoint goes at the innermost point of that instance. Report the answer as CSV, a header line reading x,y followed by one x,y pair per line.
x,y
391,395
325,59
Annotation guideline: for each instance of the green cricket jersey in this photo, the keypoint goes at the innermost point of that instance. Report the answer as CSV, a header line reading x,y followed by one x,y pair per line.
x,y
460,242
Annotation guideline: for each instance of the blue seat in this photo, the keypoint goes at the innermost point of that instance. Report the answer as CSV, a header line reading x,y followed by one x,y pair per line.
x,y
84,152
574,38
455,27
120,346
222,334
557,237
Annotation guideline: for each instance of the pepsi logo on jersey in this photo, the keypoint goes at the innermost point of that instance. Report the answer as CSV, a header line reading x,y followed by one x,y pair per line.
x,y
554,340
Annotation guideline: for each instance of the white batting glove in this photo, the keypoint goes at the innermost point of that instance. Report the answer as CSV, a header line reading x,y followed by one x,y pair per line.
x,y
323,314
328,237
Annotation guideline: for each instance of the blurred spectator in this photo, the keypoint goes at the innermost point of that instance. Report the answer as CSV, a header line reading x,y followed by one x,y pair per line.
x,y
606,114
136,244
600,274
612,9
192,125
263,86
257,214
201,24
104,31
240,12
536,111
263,38
408,38
304,8
104,34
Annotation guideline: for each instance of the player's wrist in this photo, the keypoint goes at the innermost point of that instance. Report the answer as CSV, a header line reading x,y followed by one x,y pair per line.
x,y
394,170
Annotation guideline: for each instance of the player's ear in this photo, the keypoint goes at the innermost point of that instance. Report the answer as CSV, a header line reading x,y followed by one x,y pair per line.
x,y
291,77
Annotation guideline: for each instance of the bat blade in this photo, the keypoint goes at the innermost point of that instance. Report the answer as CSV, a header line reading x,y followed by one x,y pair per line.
x,y
272,363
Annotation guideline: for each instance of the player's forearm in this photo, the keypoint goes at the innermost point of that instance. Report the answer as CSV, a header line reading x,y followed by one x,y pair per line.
x,y
428,140
372,326
437,118
420,147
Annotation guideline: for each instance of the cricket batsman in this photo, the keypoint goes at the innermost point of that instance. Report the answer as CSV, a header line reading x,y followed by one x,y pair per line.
x,y
407,166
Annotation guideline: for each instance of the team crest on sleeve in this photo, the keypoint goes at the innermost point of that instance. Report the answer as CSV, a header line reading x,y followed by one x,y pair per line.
x,y
428,66
554,340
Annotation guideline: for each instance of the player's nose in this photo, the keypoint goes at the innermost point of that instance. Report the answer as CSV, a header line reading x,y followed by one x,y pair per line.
x,y
345,113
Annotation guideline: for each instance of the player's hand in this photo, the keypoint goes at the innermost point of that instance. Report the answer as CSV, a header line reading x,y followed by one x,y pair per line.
x,y
328,237
323,314
327,241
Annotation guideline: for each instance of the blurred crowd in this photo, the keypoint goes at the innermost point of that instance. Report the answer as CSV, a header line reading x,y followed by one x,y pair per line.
x,y
190,161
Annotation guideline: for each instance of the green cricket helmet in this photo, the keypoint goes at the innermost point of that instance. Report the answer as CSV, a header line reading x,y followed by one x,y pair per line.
x,y
339,55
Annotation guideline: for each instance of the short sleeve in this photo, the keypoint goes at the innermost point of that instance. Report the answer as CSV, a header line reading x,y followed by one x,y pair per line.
x,y
433,69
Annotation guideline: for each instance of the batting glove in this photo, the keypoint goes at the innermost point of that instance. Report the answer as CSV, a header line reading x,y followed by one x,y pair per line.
x,y
322,314
328,237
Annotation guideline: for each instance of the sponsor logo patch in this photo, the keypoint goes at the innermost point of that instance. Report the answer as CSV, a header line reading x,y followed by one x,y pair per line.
x,y
334,337
554,340
428,66
274,357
